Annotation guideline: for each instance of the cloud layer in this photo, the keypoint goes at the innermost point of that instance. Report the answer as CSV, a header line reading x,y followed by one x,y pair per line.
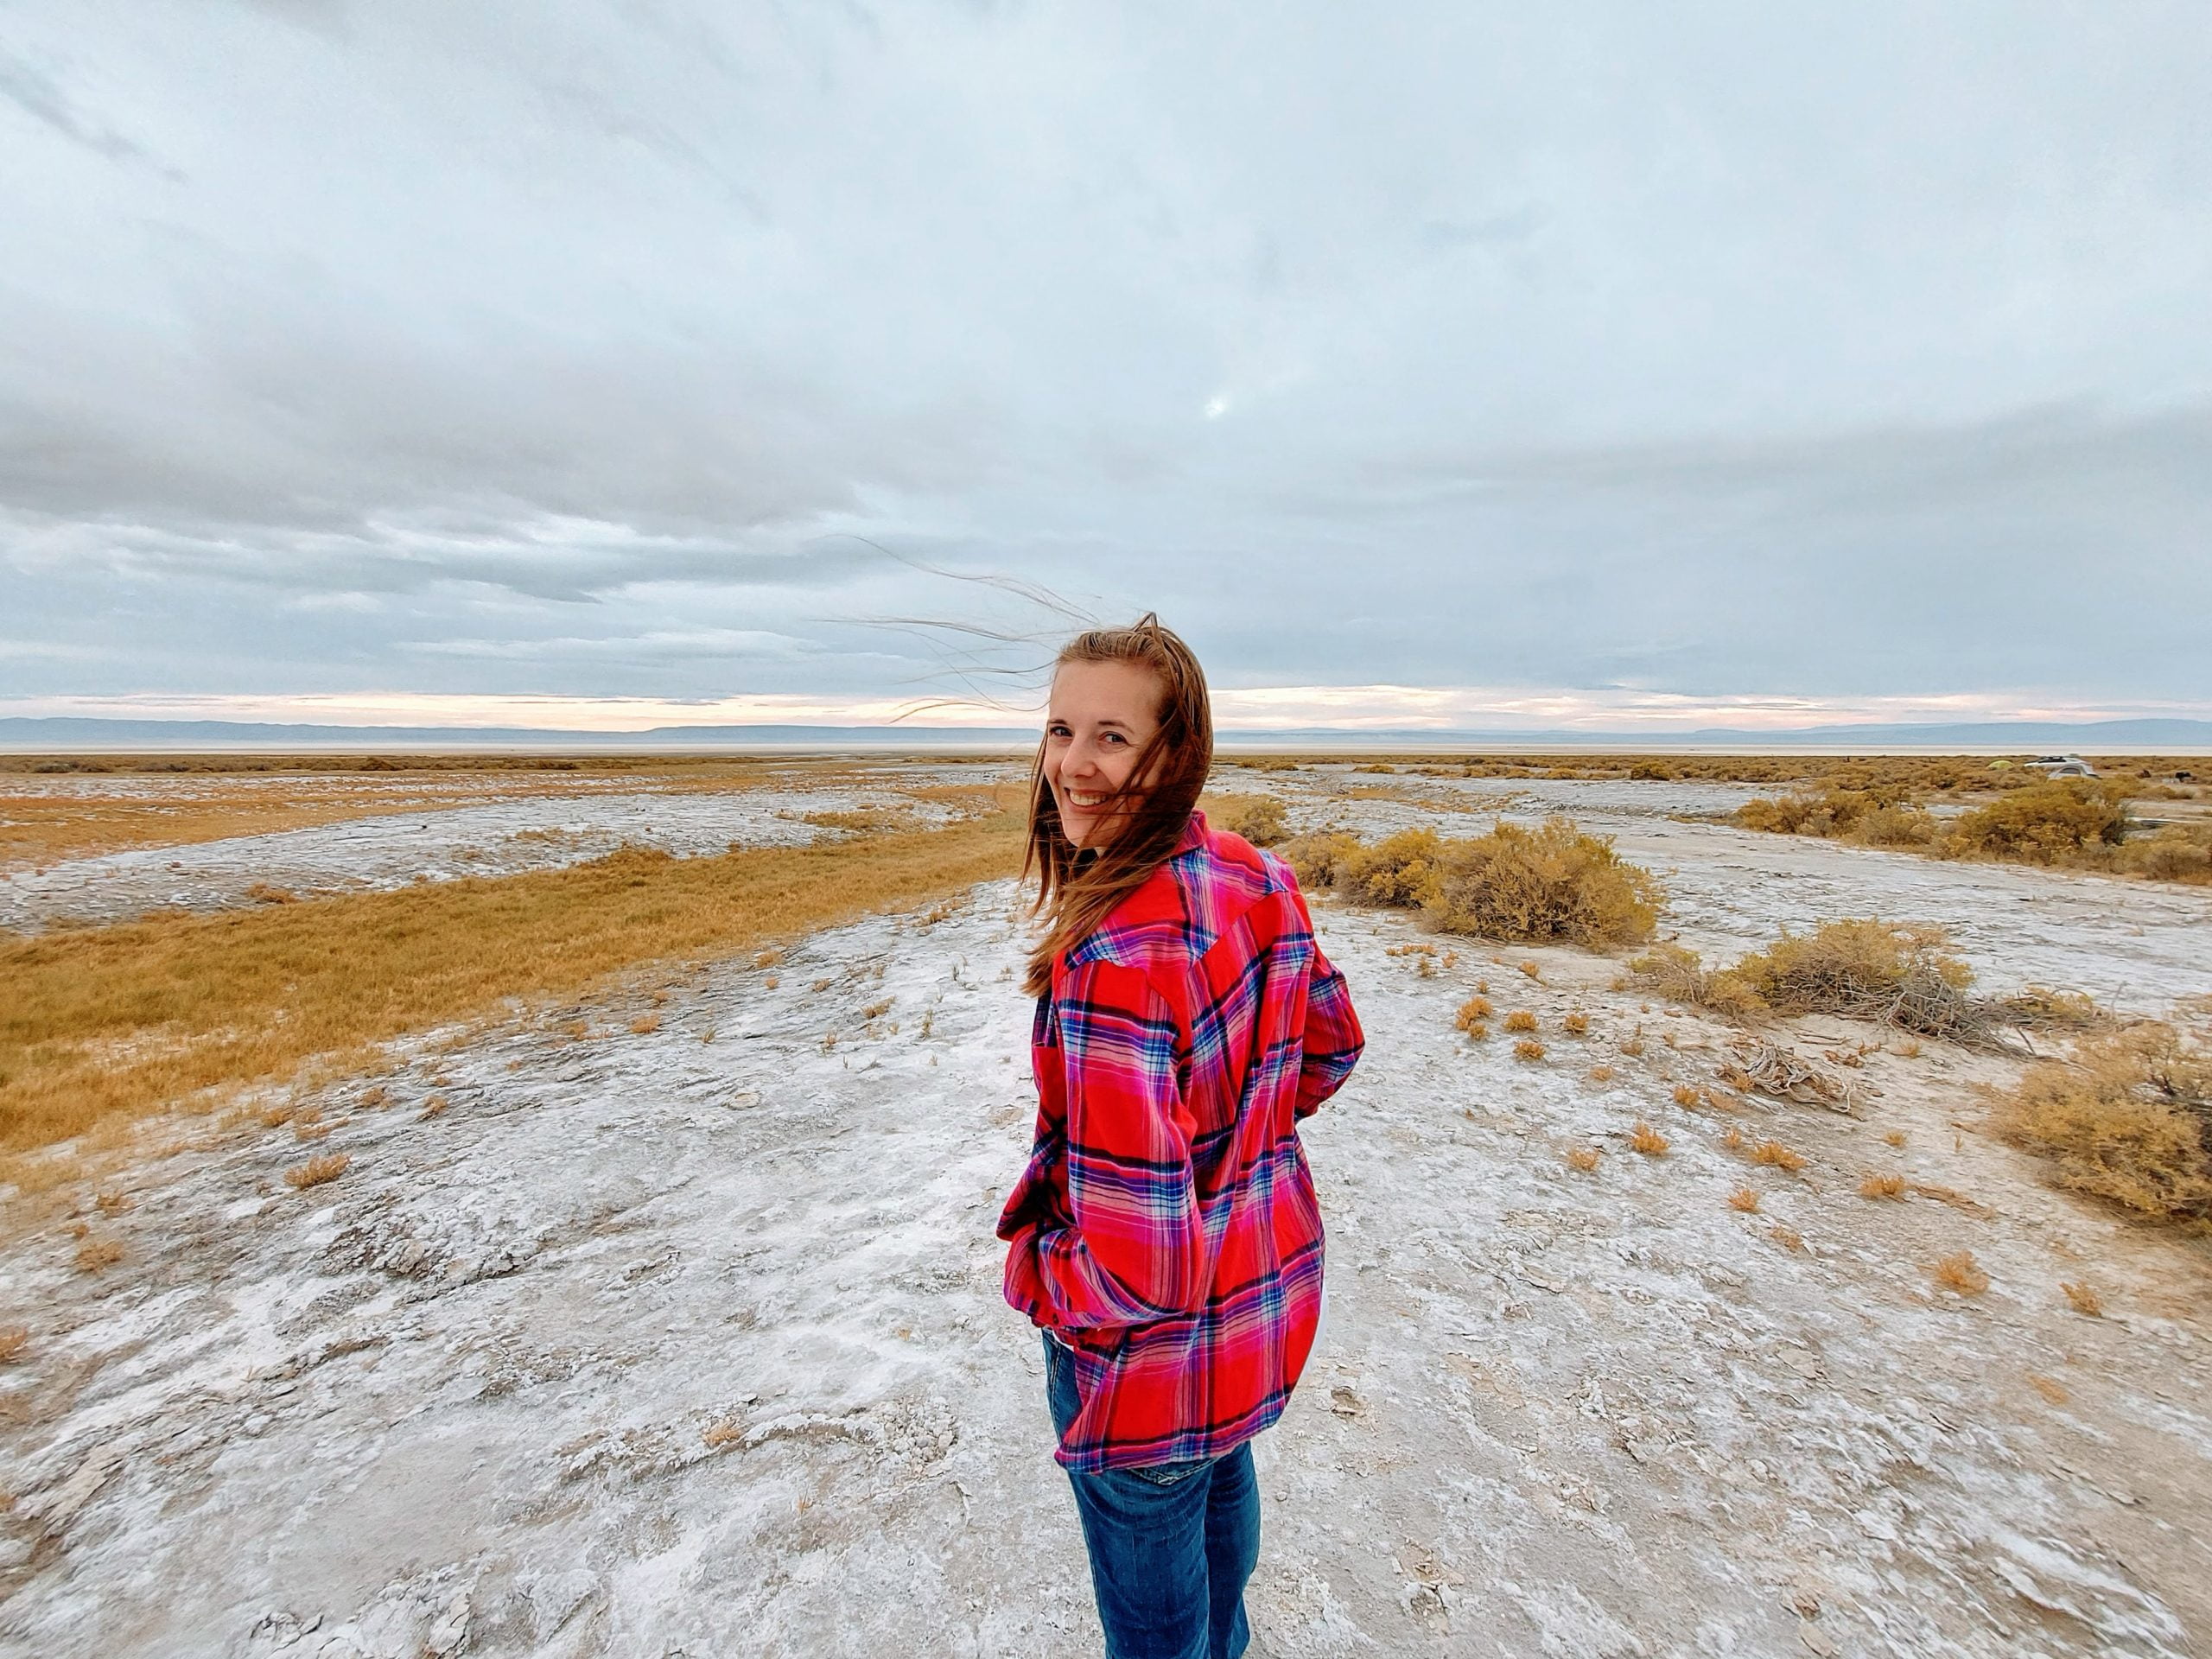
x,y
1658,360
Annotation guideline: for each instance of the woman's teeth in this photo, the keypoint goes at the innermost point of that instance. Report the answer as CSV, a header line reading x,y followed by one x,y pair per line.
x,y
1077,797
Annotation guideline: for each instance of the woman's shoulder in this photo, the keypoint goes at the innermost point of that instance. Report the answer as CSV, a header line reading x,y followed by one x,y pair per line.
x,y
1211,882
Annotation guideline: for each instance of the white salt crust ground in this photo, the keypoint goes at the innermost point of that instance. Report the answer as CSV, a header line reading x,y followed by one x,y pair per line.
x,y
498,837
459,1401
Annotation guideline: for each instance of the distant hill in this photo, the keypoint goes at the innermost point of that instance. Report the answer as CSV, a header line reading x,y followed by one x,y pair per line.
x,y
66,735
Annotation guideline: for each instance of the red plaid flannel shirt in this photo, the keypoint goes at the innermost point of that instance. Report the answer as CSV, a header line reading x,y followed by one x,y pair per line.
x,y
1166,1227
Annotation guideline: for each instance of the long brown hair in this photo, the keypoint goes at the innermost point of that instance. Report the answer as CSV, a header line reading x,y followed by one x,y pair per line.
x,y
1162,789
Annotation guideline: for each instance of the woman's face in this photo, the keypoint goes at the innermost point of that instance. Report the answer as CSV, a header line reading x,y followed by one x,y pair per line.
x,y
1101,716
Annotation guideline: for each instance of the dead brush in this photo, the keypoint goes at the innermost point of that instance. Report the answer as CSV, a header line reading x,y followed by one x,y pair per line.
x,y
1960,1274
1528,1049
1774,1155
111,1201
1745,1199
1576,1024
1677,974
1600,1074
1883,1187
2084,1300
316,1171
2128,1120
1583,1157
1533,971
1642,1138
1472,1012
98,1255
13,1340
644,1024
1788,1237
1520,1020
1893,973
432,1107
1688,1097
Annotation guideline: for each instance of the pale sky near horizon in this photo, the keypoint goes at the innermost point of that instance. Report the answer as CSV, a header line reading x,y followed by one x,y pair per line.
x,y
1489,365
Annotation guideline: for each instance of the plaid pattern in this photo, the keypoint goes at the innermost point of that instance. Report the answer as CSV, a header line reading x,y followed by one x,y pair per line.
x,y
1165,1228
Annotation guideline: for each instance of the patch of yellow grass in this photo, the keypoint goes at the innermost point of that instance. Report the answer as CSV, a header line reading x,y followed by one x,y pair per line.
x,y
1895,1137
1576,1025
1527,1049
644,1024
1583,1157
2083,1299
1600,1074
13,1339
1788,1237
1960,1274
249,995
1647,1141
2049,1386
1689,1096
95,1255
1774,1155
1745,1199
1883,1187
316,1171
1520,1020
1472,1012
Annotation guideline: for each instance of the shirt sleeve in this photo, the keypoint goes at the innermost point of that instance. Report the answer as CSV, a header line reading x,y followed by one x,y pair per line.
x,y
1135,1250
1333,1039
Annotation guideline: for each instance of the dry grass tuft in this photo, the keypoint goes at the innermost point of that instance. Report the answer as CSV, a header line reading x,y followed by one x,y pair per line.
x,y
769,957
246,995
1576,1025
1883,1187
316,1171
97,1255
1894,972
1646,1140
111,1201
1689,1096
1733,1140
2128,1120
1895,1137
1473,1012
1477,1032
1745,1199
723,1433
1634,1045
1583,1157
1533,971
1960,1274
644,1024
2049,1386
2083,1299
1259,818
1553,882
374,1099
1520,1020
1527,1049
877,1010
1909,1049
431,1107
1788,1237
1600,1074
1678,975
13,1340
1774,1155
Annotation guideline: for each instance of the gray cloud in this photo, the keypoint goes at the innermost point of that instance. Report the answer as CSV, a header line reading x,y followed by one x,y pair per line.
x,y
507,349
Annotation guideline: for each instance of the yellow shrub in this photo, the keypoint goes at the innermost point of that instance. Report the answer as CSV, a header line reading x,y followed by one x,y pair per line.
x,y
1680,976
1868,970
1553,882
2129,1118
1259,818
1398,871
2051,822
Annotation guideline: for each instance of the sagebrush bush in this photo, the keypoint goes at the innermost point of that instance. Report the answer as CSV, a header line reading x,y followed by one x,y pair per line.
x,y
1259,818
1553,882
2051,822
2174,853
1680,976
1892,971
2128,1119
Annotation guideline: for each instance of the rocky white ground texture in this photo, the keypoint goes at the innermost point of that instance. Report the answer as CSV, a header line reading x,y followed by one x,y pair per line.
x,y
690,1342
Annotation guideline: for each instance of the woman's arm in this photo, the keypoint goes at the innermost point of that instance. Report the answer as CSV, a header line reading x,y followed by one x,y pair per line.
x,y
1136,1250
1333,1039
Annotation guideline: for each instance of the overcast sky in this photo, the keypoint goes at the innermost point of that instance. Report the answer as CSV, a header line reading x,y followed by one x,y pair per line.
x,y
600,361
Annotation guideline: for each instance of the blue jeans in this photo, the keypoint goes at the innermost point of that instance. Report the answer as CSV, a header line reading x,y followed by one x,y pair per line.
x,y
1171,1543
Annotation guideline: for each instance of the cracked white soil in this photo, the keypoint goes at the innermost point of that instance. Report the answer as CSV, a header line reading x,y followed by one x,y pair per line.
x,y
690,1342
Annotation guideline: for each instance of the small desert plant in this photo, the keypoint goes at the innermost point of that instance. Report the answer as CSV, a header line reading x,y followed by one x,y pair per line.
x,y
1788,1237
1733,1139
316,1171
1477,1033
772,982
1583,1157
1259,818
876,1010
96,1255
644,1024
2129,1118
1576,1025
1399,871
1533,971
1527,1049
1646,1140
111,1201
2084,1300
2049,1386
1895,1137
1473,1012
1960,1274
1774,1155
1600,1074
1688,1097
1909,1049
1553,882
432,1106
1520,1020
1679,975
768,958
1883,1187
2174,853
2037,1007
1317,857
13,1338
2054,821
1745,1199
1890,971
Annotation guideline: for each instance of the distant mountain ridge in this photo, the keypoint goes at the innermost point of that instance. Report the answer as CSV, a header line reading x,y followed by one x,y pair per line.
x,y
71,734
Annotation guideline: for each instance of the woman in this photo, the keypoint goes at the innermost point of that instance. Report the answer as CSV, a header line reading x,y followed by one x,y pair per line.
x,y
1165,1234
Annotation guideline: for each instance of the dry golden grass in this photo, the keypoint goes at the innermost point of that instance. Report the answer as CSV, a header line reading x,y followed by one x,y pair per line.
x,y
1576,1025
1956,1199
2083,1299
1678,975
314,1172
111,1201
1633,1046
110,1023
1774,1155
770,956
1476,1031
2125,1120
644,1024
723,1433
13,1339
1883,1187
96,1255
1528,1049
1895,1137
1260,819
1600,1074
1520,1020
1646,1140
1689,1096
1745,1199
2049,1386
1583,1157
1909,1049
1732,1139
876,1010
1960,1274
1472,1012
1788,1237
